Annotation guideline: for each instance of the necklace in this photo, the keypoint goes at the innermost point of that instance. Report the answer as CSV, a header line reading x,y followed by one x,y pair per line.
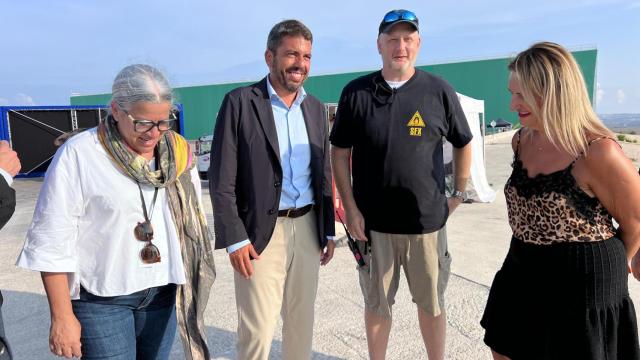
x,y
144,231
535,136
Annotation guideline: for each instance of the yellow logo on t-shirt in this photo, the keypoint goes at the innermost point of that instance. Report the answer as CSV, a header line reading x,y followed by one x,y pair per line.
x,y
416,124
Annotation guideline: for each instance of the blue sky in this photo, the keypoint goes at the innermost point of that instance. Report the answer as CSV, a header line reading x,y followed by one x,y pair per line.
x,y
51,49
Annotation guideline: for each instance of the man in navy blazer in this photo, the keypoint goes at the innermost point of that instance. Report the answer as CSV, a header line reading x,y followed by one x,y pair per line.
x,y
271,189
9,167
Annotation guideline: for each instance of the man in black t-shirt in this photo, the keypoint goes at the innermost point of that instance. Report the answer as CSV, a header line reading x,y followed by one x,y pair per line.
x,y
390,126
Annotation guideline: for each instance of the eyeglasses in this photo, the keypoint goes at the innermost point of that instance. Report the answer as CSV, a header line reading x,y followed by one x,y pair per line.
x,y
150,253
143,126
395,15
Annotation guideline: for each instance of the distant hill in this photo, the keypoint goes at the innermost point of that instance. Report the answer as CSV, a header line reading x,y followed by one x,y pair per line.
x,y
621,121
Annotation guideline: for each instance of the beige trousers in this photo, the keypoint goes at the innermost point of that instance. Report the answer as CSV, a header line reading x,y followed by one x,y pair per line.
x,y
285,281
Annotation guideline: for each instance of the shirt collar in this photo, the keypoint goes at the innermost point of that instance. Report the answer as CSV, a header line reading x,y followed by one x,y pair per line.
x,y
379,80
274,96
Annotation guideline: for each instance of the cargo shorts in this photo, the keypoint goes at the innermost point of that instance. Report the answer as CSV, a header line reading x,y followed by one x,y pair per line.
x,y
426,264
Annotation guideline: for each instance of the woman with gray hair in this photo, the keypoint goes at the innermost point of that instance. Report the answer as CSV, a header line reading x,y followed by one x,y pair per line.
x,y
119,233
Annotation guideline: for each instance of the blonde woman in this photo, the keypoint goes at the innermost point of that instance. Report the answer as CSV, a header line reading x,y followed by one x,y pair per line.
x,y
562,290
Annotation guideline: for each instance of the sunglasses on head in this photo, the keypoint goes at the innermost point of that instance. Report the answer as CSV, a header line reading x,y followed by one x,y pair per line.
x,y
396,15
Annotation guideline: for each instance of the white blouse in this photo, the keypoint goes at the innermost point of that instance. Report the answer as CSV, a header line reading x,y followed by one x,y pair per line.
x,y
84,220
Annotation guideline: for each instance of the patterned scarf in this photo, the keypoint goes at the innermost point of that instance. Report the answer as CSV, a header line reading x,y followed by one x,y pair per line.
x,y
174,162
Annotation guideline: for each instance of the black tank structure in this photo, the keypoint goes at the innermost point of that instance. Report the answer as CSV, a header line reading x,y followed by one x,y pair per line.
x,y
32,131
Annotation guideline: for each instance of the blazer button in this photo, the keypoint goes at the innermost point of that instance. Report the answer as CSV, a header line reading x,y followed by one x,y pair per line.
x,y
271,211
277,184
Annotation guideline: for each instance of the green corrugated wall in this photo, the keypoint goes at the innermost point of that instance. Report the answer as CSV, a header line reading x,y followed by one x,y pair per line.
x,y
483,79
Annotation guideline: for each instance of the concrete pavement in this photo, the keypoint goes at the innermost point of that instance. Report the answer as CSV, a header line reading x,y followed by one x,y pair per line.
x,y
478,235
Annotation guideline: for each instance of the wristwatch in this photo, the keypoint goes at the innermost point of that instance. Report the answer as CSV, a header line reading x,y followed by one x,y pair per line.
x,y
460,195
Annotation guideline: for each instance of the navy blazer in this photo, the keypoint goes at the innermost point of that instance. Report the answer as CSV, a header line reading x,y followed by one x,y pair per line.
x,y
7,207
245,175
7,202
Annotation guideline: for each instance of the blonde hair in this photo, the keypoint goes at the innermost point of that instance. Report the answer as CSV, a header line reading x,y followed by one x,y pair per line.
x,y
553,87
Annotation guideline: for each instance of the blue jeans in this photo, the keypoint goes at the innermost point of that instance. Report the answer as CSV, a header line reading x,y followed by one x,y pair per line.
x,y
141,325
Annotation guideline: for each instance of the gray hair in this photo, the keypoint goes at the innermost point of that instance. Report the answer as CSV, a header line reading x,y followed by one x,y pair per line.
x,y
287,28
140,83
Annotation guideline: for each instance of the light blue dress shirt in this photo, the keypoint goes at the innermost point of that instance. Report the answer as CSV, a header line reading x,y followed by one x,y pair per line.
x,y
7,177
295,154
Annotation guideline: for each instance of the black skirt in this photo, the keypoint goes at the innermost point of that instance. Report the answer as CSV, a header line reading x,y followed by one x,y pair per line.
x,y
562,301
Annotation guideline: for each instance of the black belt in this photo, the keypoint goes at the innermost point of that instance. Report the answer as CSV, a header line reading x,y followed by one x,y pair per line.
x,y
294,213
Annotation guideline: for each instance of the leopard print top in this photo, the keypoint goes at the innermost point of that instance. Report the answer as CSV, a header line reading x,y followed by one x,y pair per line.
x,y
552,208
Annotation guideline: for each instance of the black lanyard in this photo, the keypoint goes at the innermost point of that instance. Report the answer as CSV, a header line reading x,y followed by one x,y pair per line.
x,y
144,205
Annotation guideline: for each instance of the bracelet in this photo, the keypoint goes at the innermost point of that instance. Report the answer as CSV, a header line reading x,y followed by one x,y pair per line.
x,y
459,194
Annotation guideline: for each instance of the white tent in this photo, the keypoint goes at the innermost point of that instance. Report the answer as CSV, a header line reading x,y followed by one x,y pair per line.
x,y
474,112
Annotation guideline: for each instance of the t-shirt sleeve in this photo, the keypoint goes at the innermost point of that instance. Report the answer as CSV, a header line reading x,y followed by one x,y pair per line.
x,y
458,133
342,132
51,240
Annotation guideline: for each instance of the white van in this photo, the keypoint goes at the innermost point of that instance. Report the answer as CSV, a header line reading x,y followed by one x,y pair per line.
x,y
203,151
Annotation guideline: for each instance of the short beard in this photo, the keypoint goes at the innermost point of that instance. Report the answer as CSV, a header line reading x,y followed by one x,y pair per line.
x,y
290,86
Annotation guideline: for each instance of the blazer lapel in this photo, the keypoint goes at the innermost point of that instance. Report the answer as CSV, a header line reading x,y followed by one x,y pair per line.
x,y
264,113
314,124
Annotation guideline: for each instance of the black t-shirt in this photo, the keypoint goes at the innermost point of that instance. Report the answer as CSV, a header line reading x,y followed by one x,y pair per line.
x,y
396,140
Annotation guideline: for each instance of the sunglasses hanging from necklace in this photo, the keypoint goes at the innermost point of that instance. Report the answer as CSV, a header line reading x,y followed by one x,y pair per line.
x,y
150,253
